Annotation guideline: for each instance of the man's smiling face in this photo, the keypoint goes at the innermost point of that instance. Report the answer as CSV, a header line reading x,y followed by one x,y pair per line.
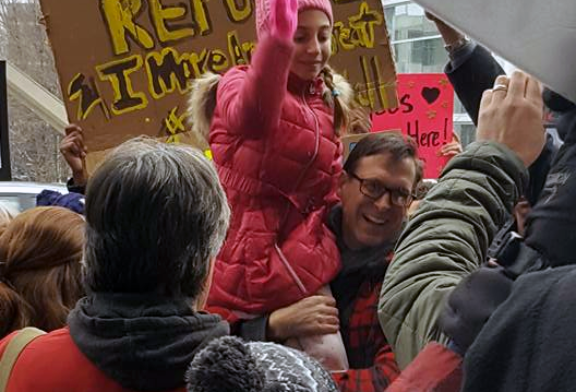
x,y
369,222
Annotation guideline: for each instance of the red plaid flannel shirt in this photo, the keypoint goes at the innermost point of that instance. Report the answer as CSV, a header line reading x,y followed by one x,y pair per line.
x,y
435,369
366,339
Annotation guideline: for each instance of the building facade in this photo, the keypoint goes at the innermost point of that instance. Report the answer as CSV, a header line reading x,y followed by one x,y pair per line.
x,y
418,48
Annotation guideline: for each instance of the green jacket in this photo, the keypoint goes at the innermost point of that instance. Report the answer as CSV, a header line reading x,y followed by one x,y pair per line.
x,y
446,240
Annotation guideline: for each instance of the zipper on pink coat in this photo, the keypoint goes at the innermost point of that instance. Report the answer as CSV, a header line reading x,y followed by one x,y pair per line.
x,y
289,268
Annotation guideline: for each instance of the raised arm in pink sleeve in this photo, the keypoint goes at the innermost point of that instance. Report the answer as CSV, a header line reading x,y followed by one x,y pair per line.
x,y
251,100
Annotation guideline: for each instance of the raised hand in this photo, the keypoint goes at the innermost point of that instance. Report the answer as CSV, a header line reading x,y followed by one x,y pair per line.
x,y
283,18
511,114
74,151
451,149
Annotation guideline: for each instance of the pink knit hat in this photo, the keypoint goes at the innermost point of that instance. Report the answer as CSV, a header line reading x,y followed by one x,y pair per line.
x,y
263,12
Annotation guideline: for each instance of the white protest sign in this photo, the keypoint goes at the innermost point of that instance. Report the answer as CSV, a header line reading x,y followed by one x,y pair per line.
x,y
539,36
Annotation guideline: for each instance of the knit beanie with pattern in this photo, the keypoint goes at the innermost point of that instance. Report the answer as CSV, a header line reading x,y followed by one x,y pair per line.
x,y
229,364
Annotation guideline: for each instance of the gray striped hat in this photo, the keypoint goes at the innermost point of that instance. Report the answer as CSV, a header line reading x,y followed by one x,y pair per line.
x,y
228,364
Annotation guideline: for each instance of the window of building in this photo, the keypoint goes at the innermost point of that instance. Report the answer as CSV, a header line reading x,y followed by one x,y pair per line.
x,y
418,48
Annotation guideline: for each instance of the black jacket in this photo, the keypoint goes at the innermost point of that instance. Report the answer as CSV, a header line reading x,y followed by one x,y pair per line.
x,y
528,344
471,73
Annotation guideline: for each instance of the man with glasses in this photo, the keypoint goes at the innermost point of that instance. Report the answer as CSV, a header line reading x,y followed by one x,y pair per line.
x,y
376,189
379,179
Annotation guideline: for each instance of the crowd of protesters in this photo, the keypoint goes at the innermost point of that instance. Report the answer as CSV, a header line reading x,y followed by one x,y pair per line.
x,y
279,266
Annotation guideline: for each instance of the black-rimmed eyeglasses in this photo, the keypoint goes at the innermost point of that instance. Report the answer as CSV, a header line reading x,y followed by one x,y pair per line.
x,y
374,189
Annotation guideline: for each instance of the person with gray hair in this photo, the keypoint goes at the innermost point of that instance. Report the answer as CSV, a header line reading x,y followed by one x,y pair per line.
x,y
156,217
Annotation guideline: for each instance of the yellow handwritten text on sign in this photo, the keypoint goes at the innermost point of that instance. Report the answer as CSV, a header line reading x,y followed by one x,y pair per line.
x,y
166,72
120,16
127,68
175,124
359,32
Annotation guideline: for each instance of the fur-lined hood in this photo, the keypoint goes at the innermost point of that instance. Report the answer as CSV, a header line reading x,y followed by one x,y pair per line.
x,y
201,103
202,100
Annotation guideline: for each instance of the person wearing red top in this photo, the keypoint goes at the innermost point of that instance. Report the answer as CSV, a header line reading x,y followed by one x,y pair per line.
x,y
274,139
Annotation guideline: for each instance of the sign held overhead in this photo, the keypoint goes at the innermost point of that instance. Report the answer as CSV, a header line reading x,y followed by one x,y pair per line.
x,y
125,66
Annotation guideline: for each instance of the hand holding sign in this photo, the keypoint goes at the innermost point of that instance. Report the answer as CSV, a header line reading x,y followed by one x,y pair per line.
x,y
283,18
453,148
513,116
74,152
449,35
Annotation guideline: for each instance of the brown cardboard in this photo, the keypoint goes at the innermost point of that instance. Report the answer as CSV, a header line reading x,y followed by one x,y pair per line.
x,y
110,71
94,159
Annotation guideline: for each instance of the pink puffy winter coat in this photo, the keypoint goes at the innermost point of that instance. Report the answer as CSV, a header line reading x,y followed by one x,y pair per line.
x,y
273,142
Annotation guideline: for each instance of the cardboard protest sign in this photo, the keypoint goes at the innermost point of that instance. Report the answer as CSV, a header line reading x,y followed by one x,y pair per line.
x,y
361,51
536,35
425,112
125,65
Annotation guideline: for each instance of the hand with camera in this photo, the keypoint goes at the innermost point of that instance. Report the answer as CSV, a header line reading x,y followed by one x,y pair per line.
x,y
511,114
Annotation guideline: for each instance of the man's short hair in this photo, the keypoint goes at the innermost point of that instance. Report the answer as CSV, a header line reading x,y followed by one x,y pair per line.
x,y
394,143
156,216
423,188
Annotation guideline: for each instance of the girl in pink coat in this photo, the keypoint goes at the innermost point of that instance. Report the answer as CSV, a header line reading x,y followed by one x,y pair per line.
x,y
274,138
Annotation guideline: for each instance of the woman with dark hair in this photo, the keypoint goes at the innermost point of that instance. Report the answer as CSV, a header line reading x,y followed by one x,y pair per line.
x,y
40,270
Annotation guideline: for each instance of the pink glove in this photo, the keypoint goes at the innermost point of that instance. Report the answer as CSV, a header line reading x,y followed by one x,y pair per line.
x,y
283,18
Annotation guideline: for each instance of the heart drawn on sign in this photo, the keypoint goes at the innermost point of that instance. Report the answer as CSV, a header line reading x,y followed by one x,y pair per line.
x,y
430,94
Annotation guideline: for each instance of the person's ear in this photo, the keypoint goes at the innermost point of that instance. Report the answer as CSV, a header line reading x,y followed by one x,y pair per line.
x,y
341,182
521,211
202,298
